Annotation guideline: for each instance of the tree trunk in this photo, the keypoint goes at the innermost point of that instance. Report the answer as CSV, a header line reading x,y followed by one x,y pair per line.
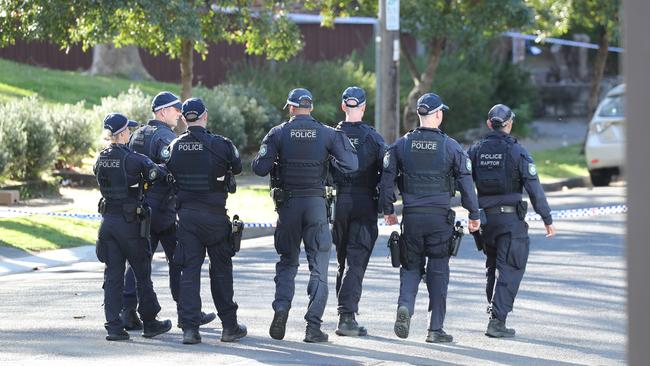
x,y
123,61
596,78
187,75
423,82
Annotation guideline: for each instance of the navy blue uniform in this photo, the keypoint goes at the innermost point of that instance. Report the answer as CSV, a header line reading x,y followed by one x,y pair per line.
x,y
355,226
119,171
199,161
429,167
303,147
152,140
502,169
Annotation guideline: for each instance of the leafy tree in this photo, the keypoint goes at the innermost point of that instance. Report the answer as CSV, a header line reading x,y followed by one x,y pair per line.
x,y
463,23
177,28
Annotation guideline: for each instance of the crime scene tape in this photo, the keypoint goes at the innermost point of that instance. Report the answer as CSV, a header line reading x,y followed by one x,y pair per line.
x,y
557,215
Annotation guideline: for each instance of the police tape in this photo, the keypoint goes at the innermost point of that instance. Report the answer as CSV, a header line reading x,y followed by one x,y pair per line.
x,y
557,215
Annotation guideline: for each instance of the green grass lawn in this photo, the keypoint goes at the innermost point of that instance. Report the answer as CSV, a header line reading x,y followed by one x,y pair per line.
x,y
54,86
41,232
252,204
564,162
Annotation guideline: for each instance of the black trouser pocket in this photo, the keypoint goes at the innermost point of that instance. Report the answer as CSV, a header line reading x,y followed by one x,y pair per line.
x,y
518,249
100,251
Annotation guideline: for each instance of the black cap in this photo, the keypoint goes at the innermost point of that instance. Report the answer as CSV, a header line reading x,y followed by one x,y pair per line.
x,y
163,100
193,109
354,96
116,123
429,103
500,114
299,98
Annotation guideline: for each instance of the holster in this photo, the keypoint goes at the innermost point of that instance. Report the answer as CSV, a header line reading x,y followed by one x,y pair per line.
x,y
393,247
522,209
456,238
277,194
230,182
478,240
330,195
144,215
236,233
101,206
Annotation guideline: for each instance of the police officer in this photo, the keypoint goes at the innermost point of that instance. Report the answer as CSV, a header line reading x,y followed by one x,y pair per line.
x,y
428,165
502,169
355,224
152,140
202,165
301,150
120,173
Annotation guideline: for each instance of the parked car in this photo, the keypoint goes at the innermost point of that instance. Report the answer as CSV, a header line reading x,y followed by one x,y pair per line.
x,y
605,147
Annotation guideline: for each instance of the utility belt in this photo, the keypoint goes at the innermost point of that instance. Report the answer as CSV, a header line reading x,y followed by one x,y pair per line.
x,y
521,208
200,206
352,190
426,210
132,212
280,195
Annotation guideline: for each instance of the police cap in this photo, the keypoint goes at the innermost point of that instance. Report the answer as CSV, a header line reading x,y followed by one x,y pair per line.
x,y
116,123
430,103
354,96
299,98
499,115
163,100
193,109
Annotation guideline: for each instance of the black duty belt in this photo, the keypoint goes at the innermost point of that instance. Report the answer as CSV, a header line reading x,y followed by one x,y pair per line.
x,y
356,190
117,207
425,210
315,192
500,209
199,206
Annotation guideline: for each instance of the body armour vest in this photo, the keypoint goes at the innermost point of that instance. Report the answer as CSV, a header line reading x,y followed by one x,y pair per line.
x,y
425,169
194,166
144,140
111,173
496,170
303,154
366,176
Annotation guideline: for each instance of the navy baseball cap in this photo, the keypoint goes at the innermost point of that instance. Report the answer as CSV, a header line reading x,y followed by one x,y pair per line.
x,y
193,109
300,98
500,114
354,97
429,103
163,100
117,123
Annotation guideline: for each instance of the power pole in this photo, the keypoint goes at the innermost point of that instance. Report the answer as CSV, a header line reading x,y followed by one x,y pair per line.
x,y
387,116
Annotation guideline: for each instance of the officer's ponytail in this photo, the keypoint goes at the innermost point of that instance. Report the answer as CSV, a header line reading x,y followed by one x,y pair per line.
x,y
107,137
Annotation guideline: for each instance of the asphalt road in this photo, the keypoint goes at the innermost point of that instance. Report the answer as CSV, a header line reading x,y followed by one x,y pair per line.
x,y
570,309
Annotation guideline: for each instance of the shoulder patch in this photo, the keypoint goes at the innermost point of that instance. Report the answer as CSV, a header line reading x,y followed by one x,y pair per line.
x,y
532,169
263,150
164,153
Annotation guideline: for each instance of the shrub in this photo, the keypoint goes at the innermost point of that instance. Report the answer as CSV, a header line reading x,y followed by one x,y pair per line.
x,y
325,79
75,131
134,104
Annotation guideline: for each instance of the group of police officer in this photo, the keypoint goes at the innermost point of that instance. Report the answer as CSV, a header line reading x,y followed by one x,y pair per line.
x,y
159,187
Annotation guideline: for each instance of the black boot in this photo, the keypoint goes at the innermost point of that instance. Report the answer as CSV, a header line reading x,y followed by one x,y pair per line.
x,y
402,322
233,334
348,326
205,319
315,335
155,327
191,336
120,335
130,319
279,324
439,336
497,329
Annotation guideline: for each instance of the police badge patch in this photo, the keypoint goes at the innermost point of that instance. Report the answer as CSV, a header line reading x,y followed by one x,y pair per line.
x,y
386,160
164,153
532,169
263,150
468,165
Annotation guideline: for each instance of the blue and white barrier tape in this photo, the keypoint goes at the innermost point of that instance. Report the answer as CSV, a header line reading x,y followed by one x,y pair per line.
x,y
560,214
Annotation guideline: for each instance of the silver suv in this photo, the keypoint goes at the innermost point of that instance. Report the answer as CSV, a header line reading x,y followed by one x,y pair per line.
x,y
605,145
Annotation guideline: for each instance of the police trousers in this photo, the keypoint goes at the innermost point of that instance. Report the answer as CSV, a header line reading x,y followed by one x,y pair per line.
x,y
201,231
118,242
302,219
163,230
354,234
427,240
507,248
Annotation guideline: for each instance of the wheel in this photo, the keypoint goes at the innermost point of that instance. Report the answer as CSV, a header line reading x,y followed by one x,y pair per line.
x,y
600,177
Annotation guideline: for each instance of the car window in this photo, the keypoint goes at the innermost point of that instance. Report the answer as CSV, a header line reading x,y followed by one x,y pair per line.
x,y
613,107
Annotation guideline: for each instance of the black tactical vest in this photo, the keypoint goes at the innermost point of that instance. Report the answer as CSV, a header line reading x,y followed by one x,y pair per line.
x,y
143,141
366,176
194,166
303,154
496,169
111,173
425,169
